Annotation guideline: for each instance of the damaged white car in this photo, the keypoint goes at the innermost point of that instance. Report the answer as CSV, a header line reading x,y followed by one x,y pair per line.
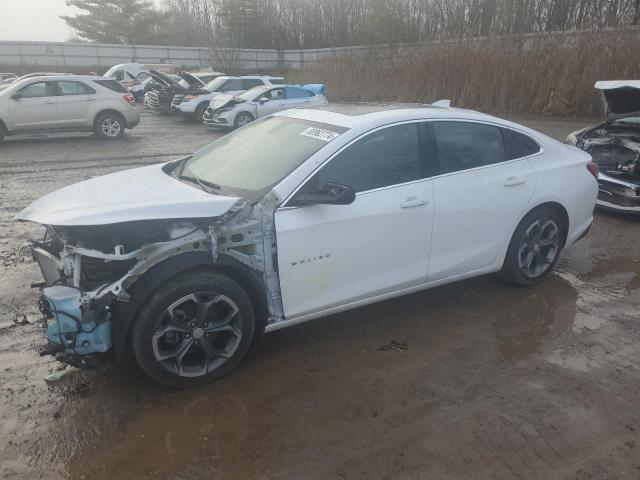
x,y
297,216
615,146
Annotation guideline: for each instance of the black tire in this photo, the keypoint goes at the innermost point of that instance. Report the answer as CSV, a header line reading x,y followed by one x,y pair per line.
x,y
199,115
187,369
518,269
2,134
110,125
242,119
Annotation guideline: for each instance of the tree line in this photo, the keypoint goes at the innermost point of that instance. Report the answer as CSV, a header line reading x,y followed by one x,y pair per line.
x,y
292,24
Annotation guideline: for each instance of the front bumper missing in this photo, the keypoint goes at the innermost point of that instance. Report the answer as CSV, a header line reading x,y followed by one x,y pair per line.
x,y
618,195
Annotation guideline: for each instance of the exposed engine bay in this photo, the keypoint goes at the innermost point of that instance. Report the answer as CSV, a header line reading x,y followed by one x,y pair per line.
x,y
89,269
615,147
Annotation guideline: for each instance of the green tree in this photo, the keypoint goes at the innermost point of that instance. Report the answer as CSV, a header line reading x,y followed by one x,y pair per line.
x,y
117,21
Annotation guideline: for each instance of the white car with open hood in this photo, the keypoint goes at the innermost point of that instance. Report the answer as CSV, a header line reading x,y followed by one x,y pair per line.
x,y
615,146
235,111
297,216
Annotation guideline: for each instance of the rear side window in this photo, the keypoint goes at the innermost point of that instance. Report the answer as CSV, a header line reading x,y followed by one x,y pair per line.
x,y
112,85
74,88
466,145
248,83
384,158
518,145
277,81
295,92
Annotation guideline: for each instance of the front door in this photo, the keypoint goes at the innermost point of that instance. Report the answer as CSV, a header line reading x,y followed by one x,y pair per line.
x,y
35,107
275,102
334,255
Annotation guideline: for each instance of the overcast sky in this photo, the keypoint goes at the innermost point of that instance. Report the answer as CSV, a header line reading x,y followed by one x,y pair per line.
x,y
34,20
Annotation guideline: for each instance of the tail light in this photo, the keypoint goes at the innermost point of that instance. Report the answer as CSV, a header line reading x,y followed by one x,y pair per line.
x,y
130,99
593,169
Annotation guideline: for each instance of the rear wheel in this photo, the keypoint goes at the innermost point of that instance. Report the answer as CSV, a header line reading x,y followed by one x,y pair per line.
x,y
534,248
199,115
242,119
2,134
194,330
110,125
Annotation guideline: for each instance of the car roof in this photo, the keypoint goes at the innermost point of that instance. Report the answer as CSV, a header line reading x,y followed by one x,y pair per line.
x,y
352,115
614,84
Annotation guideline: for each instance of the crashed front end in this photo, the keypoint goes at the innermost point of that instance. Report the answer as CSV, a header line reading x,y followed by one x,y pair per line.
x,y
615,147
86,269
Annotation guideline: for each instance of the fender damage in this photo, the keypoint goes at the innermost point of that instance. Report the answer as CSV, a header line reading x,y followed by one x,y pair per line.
x,y
93,269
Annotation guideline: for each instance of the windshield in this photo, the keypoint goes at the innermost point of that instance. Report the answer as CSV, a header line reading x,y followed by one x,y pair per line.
x,y
111,72
217,83
252,94
253,159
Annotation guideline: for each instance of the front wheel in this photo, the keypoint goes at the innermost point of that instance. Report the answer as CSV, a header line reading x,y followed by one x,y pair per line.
x,y
193,330
534,248
199,115
243,118
110,125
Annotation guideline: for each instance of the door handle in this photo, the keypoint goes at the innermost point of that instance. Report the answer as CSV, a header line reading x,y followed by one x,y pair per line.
x,y
514,181
47,102
89,99
413,202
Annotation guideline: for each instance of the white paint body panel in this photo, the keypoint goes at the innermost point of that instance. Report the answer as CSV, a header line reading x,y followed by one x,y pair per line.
x,y
145,193
329,255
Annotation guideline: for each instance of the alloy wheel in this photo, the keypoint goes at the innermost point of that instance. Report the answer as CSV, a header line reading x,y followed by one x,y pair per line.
x,y
111,127
539,248
197,334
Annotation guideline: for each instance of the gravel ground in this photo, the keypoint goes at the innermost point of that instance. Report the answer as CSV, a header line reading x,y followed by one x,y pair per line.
x,y
473,380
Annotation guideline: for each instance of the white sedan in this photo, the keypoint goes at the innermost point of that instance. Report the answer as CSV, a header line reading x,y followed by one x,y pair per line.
x,y
235,111
300,215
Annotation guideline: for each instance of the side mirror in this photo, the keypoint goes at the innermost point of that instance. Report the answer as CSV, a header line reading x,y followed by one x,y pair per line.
x,y
263,100
327,194
16,96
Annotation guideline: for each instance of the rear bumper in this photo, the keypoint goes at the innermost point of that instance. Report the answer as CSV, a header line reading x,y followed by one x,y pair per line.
x,y
132,117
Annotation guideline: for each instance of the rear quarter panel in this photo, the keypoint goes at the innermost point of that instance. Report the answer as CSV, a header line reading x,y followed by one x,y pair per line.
x,y
563,178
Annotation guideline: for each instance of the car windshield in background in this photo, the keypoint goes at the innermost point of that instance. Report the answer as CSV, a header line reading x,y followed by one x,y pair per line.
x,y
112,85
253,159
217,83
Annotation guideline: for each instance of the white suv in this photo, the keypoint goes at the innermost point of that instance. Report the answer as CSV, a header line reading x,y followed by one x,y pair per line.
x,y
297,216
194,105
69,102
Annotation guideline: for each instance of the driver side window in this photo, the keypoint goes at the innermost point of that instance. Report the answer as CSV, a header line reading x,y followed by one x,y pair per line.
x,y
35,90
387,157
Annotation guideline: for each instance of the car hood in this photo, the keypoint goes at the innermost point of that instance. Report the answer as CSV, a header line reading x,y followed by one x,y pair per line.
x,y
621,98
224,99
193,81
145,193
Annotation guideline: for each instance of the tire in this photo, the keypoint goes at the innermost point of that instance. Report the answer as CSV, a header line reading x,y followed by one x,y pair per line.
x,y
194,346
2,134
199,115
110,125
534,248
242,119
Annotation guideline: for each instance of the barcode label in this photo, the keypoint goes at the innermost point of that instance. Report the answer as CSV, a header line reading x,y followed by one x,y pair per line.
x,y
320,134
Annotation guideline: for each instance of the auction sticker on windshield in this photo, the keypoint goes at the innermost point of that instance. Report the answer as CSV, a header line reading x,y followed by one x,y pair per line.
x,y
320,134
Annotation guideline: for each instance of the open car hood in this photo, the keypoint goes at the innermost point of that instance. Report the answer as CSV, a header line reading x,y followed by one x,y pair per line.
x,y
165,80
223,100
194,82
145,193
621,98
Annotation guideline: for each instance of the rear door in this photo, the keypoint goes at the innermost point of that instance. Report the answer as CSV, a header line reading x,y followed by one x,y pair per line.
x,y
330,256
36,107
480,194
75,100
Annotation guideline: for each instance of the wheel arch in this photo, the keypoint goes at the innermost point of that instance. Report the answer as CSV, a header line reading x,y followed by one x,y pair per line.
x,y
108,110
3,127
560,210
125,313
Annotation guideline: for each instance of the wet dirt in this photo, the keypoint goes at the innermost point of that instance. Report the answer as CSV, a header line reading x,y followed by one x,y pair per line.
x,y
480,380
